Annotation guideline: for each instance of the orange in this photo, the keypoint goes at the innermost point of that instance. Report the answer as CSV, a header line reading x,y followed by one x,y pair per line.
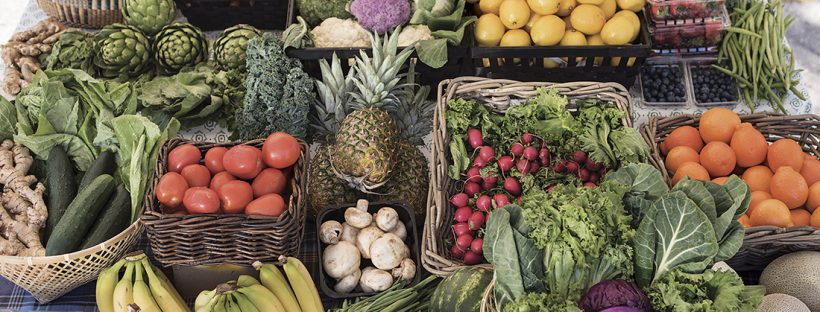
x,y
789,187
757,198
801,217
815,218
749,145
686,135
785,152
813,200
718,159
771,212
718,124
720,181
692,170
744,221
810,170
758,178
679,155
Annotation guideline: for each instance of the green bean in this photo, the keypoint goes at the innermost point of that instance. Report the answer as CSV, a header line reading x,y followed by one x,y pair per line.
x,y
743,31
730,73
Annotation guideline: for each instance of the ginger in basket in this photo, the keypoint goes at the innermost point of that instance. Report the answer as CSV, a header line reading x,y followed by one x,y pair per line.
x,y
21,53
22,208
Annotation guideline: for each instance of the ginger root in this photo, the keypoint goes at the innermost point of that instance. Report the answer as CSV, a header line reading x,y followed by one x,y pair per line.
x,y
23,211
20,53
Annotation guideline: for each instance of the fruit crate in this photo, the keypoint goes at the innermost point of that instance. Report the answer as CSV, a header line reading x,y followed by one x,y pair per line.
x,y
664,10
701,74
221,14
689,33
654,79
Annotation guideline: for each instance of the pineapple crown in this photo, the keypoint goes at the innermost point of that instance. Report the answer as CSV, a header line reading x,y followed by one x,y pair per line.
x,y
378,80
414,117
331,106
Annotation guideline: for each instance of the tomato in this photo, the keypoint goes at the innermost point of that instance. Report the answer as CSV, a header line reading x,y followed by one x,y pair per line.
x,y
220,179
182,156
235,195
213,159
201,200
170,189
280,150
268,205
243,161
196,175
270,180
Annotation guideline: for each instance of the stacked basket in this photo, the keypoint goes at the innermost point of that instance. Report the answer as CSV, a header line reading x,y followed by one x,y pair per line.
x,y
84,14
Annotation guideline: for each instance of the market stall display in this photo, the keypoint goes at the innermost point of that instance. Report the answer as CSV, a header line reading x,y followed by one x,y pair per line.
x,y
87,14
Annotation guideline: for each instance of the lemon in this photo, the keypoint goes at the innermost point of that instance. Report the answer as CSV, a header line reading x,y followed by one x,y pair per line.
x,y
566,7
544,7
609,7
533,18
514,13
568,22
617,31
516,38
488,30
632,5
548,31
592,2
633,18
629,63
549,63
573,38
588,19
595,40
490,6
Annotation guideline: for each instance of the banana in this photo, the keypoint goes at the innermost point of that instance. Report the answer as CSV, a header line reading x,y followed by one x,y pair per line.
x,y
106,283
142,295
165,294
208,307
203,298
123,292
262,298
246,280
232,306
220,304
302,284
275,281
245,305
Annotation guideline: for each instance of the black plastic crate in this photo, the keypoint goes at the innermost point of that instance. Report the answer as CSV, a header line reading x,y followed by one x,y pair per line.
x,y
221,14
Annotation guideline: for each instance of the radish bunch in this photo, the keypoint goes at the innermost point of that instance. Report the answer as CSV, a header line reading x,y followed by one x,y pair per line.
x,y
587,170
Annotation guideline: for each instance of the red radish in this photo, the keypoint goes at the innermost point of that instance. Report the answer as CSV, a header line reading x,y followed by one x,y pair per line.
x,y
476,220
462,214
526,138
456,252
471,188
484,203
501,200
579,157
590,184
505,163
475,138
472,258
487,153
512,186
594,177
474,174
591,165
549,188
544,155
459,200
572,167
523,165
583,174
477,246
530,153
461,228
463,241
520,200
517,149
534,166
560,166
479,162
489,183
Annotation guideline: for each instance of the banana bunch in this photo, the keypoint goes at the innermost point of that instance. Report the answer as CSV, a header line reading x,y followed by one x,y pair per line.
x,y
293,291
142,287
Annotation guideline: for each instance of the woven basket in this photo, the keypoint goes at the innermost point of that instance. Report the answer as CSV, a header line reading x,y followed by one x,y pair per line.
x,y
497,95
762,244
48,278
83,13
225,238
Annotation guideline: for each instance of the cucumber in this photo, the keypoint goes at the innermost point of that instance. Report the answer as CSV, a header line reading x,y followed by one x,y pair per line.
x,y
114,219
60,186
79,217
104,164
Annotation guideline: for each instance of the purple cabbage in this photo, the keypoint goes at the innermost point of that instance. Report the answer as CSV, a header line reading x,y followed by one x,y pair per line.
x,y
381,16
615,296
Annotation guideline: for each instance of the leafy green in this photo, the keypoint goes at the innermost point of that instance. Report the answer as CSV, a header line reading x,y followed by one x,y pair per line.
x,y
187,96
447,25
539,301
296,35
74,49
645,186
606,139
678,291
432,52
8,119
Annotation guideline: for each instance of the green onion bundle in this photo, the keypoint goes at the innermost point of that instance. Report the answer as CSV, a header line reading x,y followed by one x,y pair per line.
x,y
395,299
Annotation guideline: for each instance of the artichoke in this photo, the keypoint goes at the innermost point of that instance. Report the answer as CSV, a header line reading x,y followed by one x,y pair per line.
x,y
179,45
149,15
121,50
229,48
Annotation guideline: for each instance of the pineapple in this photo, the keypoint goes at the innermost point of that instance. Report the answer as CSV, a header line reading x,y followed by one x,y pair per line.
x,y
331,106
324,187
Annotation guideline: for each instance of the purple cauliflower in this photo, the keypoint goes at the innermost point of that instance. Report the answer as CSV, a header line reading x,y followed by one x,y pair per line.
x,y
615,296
381,16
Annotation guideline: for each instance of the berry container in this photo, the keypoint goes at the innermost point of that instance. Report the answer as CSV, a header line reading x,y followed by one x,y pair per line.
x,y
689,33
709,86
664,82
664,10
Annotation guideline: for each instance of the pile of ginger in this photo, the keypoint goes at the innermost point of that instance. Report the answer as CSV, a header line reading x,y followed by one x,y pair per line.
x,y
21,54
23,211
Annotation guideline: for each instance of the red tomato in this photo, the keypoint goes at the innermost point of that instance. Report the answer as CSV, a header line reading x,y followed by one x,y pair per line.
x,y
270,180
219,180
281,150
201,200
243,161
196,175
170,189
213,159
235,195
268,205
182,156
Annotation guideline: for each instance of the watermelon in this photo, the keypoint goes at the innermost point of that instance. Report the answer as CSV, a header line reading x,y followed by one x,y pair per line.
x,y
462,291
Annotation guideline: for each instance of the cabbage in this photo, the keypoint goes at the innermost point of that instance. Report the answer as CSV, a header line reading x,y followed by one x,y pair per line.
x,y
615,296
426,10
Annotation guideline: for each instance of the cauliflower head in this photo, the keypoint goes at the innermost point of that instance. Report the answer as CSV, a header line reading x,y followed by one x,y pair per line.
x,y
340,33
412,34
381,16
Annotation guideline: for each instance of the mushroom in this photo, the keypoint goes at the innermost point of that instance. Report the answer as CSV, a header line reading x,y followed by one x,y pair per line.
x,y
341,259
387,218
387,251
406,270
400,230
362,204
330,232
348,283
374,280
349,233
357,218
366,237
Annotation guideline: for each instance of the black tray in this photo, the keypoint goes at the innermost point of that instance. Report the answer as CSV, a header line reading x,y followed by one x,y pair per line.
x,y
221,14
337,213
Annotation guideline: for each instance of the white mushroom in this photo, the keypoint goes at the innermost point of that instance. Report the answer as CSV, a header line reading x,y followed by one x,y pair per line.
x,y
400,230
362,204
348,283
358,218
406,270
387,218
330,232
366,237
349,233
341,259
387,252
374,280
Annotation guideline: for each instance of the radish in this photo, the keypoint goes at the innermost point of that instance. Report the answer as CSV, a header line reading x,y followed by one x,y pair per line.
x,y
487,153
479,162
489,182
472,258
591,165
512,186
471,188
520,200
544,156
579,157
560,166
459,200
461,228
549,188
526,138
477,246
572,167
594,177
456,252
523,166
476,220
590,184
534,166
463,241
474,175
501,200
530,153
505,163
462,214
517,149
484,203
475,138
583,174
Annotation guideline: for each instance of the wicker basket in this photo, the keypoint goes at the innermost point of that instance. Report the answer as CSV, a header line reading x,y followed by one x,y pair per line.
x,y
762,244
85,13
225,238
48,278
497,95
